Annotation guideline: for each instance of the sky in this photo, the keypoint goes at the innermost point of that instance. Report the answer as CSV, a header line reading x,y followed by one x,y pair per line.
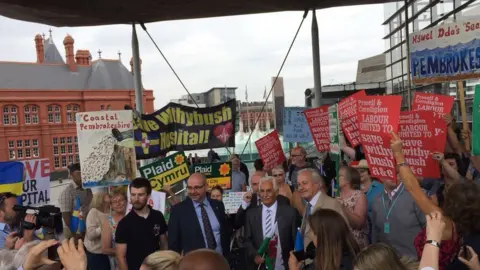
x,y
236,51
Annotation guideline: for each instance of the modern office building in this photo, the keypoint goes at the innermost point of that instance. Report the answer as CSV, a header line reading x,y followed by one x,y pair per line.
x,y
278,97
422,14
212,97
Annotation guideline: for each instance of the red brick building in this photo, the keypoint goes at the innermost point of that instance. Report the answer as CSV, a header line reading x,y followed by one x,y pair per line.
x,y
38,100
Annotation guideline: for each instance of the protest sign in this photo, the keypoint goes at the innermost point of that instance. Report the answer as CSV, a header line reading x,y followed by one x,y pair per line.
x,y
378,117
107,154
36,186
167,171
416,129
446,52
348,114
317,119
439,105
217,174
295,127
334,133
270,150
476,122
232,201
157,201
177,127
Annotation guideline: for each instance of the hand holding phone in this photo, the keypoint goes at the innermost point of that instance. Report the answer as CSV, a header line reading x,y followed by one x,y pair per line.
x,y
468,257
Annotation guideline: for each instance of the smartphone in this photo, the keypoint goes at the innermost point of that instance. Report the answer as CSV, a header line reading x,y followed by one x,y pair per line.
x,y
466,253
300,255
53,254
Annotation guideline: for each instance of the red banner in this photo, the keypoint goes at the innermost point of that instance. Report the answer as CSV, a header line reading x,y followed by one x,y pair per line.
x,y
270,150
439,105
417,133
347,114
317,119
377,117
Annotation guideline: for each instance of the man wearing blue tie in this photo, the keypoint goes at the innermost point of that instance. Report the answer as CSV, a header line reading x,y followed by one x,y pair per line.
x,y
198,222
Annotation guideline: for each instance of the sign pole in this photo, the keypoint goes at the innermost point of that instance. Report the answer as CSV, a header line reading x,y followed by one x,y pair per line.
x,y
463,111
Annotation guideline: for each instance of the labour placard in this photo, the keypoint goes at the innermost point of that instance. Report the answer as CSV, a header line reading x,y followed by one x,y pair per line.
x,y
270,150
347,114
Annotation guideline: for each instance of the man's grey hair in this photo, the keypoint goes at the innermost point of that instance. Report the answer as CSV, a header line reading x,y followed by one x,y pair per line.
x,y
21,254
279,168
268,179
316,177
6,259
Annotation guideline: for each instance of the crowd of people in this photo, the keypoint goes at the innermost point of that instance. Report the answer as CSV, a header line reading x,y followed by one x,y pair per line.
x,y
411,223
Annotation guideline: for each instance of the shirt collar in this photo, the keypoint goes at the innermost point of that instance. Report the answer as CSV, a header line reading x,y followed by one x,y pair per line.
x,y
392,194
4,227
315,198
205,203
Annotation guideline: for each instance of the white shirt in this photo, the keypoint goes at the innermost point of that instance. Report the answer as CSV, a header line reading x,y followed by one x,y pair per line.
x,y
315,198
273,214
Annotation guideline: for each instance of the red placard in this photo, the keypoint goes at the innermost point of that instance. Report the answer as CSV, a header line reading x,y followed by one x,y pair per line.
x,y
377,117
270,150
439,105
317,119
416,129
347,114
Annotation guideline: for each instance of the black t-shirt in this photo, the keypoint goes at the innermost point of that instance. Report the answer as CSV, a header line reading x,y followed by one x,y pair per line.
x,y
142,235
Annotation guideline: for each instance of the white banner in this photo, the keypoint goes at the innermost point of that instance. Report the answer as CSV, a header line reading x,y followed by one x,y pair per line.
x,y
232,201
36,185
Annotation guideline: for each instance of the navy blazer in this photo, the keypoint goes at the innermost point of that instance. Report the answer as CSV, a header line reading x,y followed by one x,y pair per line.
x,y
185,233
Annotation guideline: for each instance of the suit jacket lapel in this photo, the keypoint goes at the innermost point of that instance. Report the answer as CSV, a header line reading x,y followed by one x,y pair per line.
x,y
217,212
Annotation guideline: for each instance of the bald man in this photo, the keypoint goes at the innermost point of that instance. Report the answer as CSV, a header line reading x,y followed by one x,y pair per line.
x,y
204,259
199,222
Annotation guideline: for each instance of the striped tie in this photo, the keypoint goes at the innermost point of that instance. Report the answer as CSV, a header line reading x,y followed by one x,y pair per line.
x,y
268,224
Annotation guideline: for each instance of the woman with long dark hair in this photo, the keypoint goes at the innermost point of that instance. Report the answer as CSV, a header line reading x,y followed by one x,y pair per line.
x,y
336,248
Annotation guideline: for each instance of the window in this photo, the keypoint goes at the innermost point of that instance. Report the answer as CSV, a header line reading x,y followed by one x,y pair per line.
x,y
76,148
64,162
62,149
70,159
11,144
108,108
19,153
56,161
69,140
54,114
35,152
11,154
31,114
55,141
55,150
102,107
70,149
35,142
19,143
76,139
77,158
10,115
27,143
62,140
27,153
71,112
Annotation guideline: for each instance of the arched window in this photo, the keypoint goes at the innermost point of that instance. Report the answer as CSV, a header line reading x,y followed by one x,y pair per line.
x,y
31,114
54,114
72,110
10,115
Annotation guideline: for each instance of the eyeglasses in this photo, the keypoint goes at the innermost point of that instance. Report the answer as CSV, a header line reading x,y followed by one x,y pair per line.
x,y
195,188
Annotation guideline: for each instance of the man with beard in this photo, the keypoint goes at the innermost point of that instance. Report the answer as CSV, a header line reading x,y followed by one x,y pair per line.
x,y
142,231
198,222
8,217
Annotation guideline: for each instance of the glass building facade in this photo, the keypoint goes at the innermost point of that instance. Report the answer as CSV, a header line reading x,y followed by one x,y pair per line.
x,y
422,14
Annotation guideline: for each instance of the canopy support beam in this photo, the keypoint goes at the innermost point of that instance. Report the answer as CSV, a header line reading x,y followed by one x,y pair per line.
x,y
317,75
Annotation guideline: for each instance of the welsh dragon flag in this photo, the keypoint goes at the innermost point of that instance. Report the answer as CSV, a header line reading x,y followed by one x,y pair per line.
x,y
268,248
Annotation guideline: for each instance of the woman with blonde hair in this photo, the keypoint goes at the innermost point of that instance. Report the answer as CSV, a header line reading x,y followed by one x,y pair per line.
x,y
99,207
109,223
162,260
383,256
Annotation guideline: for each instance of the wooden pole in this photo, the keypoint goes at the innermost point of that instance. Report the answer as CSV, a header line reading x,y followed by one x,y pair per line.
x,y
463,111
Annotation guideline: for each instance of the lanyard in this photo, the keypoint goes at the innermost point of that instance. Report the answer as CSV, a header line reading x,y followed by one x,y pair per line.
x,y
387,213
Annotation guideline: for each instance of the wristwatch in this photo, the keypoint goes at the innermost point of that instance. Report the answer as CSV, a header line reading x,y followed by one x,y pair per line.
x,y
433,243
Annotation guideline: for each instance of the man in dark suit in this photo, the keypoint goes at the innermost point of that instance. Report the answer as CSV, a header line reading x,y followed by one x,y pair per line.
x,y
198,222
251,200
273,219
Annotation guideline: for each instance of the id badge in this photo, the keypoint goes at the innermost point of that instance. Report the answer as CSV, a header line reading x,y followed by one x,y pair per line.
x,y
386,227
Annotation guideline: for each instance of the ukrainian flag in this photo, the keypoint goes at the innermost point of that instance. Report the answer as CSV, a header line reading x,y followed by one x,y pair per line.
x,y
77,221
11,177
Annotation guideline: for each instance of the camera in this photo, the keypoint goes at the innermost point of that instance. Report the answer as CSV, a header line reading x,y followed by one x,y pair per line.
x,y
47,216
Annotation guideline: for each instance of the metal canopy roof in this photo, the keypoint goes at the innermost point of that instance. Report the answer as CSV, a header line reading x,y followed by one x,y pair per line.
x,y
103,12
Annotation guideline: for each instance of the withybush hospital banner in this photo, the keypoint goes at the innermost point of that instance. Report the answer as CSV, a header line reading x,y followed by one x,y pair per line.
x,y
181,128
449,52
